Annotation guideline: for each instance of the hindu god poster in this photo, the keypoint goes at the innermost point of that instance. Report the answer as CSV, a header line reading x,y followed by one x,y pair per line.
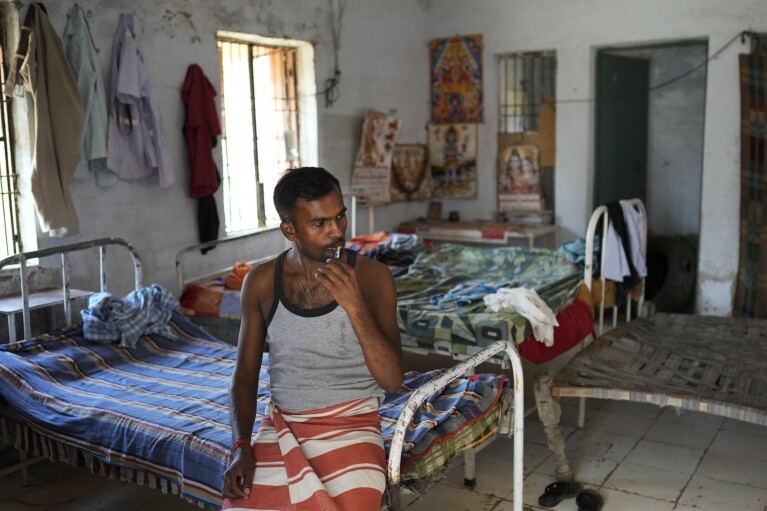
x,y
453,160
372,168
410,173
519,178
456,79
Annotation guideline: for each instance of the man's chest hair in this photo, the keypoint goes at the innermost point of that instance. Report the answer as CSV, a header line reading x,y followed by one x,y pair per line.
x,y
306,294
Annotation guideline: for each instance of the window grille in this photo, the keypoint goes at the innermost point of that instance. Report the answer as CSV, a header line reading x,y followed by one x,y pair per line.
x,y
10,238
526,80
259,114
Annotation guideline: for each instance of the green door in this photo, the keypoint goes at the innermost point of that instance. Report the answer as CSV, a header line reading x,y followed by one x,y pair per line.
x,y
621,121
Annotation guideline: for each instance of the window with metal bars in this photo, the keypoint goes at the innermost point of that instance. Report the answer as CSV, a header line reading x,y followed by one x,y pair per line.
x,y
10,237
526,79
260,124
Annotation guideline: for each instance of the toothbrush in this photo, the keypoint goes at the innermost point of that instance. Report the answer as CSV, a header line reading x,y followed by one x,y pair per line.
x,y
337,253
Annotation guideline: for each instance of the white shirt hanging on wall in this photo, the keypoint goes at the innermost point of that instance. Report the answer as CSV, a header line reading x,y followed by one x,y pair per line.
x,y
137,146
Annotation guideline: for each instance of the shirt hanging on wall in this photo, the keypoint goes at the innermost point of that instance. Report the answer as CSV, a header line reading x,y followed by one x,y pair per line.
x,y
136,146
83,57
58,117
201,128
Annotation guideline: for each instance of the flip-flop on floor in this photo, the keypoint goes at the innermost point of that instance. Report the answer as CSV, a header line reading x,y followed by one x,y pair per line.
x,y
589,500
558,491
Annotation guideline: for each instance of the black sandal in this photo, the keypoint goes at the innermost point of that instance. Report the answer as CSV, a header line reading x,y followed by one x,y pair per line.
x,y
589,500
557,492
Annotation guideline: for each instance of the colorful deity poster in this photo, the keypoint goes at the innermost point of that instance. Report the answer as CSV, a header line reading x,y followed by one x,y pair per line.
x,y
410,173
456,79
453,160
519,178
372,168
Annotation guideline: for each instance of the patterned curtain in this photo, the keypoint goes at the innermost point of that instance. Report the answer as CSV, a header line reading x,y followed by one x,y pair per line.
x,y
751,294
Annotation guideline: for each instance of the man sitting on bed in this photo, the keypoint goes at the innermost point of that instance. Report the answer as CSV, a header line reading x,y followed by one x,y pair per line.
x,y
330,320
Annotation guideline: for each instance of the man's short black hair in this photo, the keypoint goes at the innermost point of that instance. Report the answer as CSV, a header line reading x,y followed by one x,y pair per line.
x,y
308,183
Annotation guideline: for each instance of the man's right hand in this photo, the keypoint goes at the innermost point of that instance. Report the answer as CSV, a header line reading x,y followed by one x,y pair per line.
x,y
238,478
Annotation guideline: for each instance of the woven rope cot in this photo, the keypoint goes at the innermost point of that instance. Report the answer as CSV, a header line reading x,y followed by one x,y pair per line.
x,y
707,364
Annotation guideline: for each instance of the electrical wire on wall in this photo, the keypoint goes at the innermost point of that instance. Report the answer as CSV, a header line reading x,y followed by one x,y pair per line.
x,y
332,89
740,35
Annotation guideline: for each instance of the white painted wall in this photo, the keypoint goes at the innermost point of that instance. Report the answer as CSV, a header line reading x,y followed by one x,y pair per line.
x,y
575,30
383,60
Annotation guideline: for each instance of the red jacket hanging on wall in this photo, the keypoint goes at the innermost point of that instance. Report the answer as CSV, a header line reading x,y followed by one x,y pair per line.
x,y
200,131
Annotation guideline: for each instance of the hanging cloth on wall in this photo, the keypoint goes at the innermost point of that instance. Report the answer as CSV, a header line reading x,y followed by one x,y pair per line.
x,y
201,127
58,114
751,291
83,57
136,146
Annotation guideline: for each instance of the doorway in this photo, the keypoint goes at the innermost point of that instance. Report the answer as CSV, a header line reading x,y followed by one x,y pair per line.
x,y
650,114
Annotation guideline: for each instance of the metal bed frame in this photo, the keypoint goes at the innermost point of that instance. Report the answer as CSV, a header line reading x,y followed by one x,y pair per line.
x,y
511,358
27,300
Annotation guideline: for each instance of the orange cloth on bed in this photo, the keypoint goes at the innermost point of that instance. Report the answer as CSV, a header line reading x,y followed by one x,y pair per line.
x,y
237,275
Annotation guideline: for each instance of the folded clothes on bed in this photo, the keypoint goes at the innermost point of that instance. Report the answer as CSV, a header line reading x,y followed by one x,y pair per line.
x,y
146,310
527,303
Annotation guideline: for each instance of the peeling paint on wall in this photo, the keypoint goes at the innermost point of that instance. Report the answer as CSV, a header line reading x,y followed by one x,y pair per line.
x,y
173,21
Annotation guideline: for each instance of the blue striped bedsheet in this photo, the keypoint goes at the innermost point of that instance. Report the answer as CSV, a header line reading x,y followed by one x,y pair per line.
x,y
160,410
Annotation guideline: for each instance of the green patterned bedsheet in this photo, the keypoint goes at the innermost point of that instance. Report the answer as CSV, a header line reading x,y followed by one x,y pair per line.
x,y
464,329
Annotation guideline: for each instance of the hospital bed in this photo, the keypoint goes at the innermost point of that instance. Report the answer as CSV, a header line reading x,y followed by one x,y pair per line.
x,y
156,414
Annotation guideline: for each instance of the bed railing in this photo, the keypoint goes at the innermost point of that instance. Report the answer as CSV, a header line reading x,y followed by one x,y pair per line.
x,y
600,213
354,203
423,392
64,250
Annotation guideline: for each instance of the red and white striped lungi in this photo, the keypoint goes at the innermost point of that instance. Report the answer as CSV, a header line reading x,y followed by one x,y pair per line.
x,y
329,459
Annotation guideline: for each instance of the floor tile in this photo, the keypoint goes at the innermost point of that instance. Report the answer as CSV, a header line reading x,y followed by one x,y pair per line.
x,y
588,468
633,408
176,503
570,412
741,444
623,501
677,433
501,451
650,482
678,458
713,494
32,498
492,479
601,443
534,432
701,419
79,506
444,497
744,427
626,425
733,468
9,483
73,482
119,496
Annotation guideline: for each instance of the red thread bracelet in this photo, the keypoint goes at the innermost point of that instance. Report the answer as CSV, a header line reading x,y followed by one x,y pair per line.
x,y
238,443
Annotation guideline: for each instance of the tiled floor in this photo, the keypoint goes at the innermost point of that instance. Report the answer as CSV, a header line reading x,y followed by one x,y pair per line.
x,y
639,457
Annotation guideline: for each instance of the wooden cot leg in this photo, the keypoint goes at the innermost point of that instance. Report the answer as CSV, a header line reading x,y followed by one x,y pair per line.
x,y
550,412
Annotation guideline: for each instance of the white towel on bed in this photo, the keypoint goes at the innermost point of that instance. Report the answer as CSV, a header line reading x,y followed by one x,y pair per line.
x,y
528,304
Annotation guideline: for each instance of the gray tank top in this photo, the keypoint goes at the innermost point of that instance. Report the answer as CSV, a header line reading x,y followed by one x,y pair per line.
x,y
315,359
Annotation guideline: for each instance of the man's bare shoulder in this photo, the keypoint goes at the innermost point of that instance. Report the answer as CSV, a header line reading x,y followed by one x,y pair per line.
x,y
261,277
370,270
